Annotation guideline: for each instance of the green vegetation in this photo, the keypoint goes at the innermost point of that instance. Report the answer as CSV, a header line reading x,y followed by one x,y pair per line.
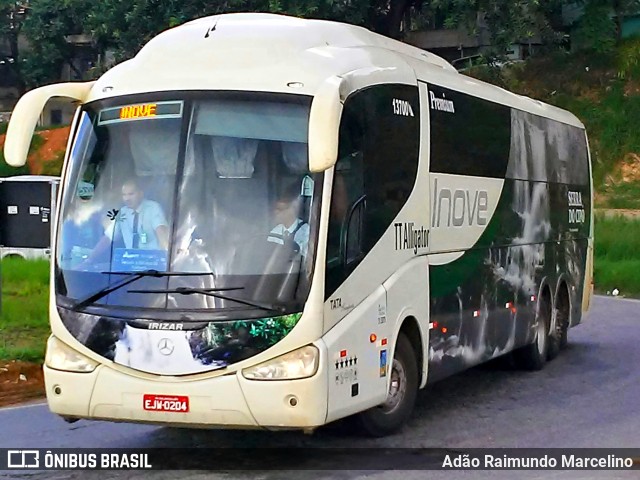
x,y
603,90
24,320
611,132
54,167
625,195
123,27
7,171
617,260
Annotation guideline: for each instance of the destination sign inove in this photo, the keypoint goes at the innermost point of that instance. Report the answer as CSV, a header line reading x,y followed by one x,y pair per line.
x,y
140,111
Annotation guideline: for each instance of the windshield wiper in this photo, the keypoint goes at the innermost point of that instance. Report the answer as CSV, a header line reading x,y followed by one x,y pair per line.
x,y
129,278
212,292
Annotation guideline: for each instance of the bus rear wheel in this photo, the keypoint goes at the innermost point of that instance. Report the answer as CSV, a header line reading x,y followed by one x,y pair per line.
x,y
564,316
389,417
534,355
558,335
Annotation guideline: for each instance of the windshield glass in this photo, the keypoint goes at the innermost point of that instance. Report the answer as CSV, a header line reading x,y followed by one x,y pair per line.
x,y
216,184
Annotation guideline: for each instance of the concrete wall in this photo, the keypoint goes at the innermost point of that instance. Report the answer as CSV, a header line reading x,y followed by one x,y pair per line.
x,y
57,112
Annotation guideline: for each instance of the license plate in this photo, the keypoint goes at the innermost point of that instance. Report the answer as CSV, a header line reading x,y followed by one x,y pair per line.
x,y
165,403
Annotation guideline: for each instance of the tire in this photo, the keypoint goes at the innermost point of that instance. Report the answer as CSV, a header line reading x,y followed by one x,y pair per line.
x,y
389,417
564,338
558,339
534,355
565,310
555,336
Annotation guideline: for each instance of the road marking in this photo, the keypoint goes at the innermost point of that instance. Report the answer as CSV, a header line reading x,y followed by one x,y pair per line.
x,y
17,407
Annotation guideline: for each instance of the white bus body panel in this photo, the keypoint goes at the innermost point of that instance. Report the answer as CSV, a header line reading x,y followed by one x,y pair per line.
x,y
408,297
368,334
112,392
254,52
464,208
357,380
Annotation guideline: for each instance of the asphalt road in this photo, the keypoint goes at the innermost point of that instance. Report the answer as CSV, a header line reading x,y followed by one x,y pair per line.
x,y
588,397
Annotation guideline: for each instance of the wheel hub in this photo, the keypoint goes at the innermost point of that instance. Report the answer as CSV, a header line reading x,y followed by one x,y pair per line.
x,y
542,335
397,387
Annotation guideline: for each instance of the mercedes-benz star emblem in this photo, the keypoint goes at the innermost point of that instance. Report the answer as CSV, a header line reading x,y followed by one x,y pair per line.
x,y
165,346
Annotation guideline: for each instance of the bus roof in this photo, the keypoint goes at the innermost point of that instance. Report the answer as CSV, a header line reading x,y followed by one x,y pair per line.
x,y
277,53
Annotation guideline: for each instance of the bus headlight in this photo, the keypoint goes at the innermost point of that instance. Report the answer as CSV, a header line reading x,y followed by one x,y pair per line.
x,y
301,363
62,357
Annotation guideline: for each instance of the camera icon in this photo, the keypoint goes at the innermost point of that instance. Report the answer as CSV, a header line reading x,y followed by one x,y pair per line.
x,y
23,459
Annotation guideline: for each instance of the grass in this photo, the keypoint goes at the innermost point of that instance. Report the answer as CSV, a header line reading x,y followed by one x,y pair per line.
x,y
621,195
611,133
53,167
617,255
24,320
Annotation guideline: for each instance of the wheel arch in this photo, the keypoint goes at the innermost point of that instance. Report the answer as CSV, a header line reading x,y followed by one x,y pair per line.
x,y
411,328
545,291
562,287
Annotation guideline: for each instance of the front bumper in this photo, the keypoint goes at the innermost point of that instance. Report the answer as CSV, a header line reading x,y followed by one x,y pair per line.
x,y
226,401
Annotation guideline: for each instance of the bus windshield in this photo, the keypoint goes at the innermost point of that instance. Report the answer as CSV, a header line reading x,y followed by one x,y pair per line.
x,y
210,192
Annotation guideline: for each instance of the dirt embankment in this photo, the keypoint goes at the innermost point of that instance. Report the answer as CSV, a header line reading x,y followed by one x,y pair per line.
x,y
20,382
54,143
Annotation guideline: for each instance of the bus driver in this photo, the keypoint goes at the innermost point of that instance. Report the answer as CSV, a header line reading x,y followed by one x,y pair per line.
x,y
140,223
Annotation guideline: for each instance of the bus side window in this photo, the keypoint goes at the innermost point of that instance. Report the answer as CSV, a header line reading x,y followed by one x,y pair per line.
x,y
377,154
354,234
346,220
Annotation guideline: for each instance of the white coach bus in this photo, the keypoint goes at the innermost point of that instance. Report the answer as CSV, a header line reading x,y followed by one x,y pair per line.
x,y
273,222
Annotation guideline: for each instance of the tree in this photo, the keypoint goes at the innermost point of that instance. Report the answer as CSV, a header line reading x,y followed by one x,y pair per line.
x,y
125,26
600,26
596,29
12,15
622,8
48,26
505,21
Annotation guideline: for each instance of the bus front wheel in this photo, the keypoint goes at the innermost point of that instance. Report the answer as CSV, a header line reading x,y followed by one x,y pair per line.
x,y
403,388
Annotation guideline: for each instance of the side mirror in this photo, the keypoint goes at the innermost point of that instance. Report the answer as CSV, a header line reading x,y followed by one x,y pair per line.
x,y
24,117
324,125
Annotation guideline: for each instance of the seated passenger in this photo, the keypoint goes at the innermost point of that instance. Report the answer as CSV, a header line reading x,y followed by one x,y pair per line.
x,y
290,226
